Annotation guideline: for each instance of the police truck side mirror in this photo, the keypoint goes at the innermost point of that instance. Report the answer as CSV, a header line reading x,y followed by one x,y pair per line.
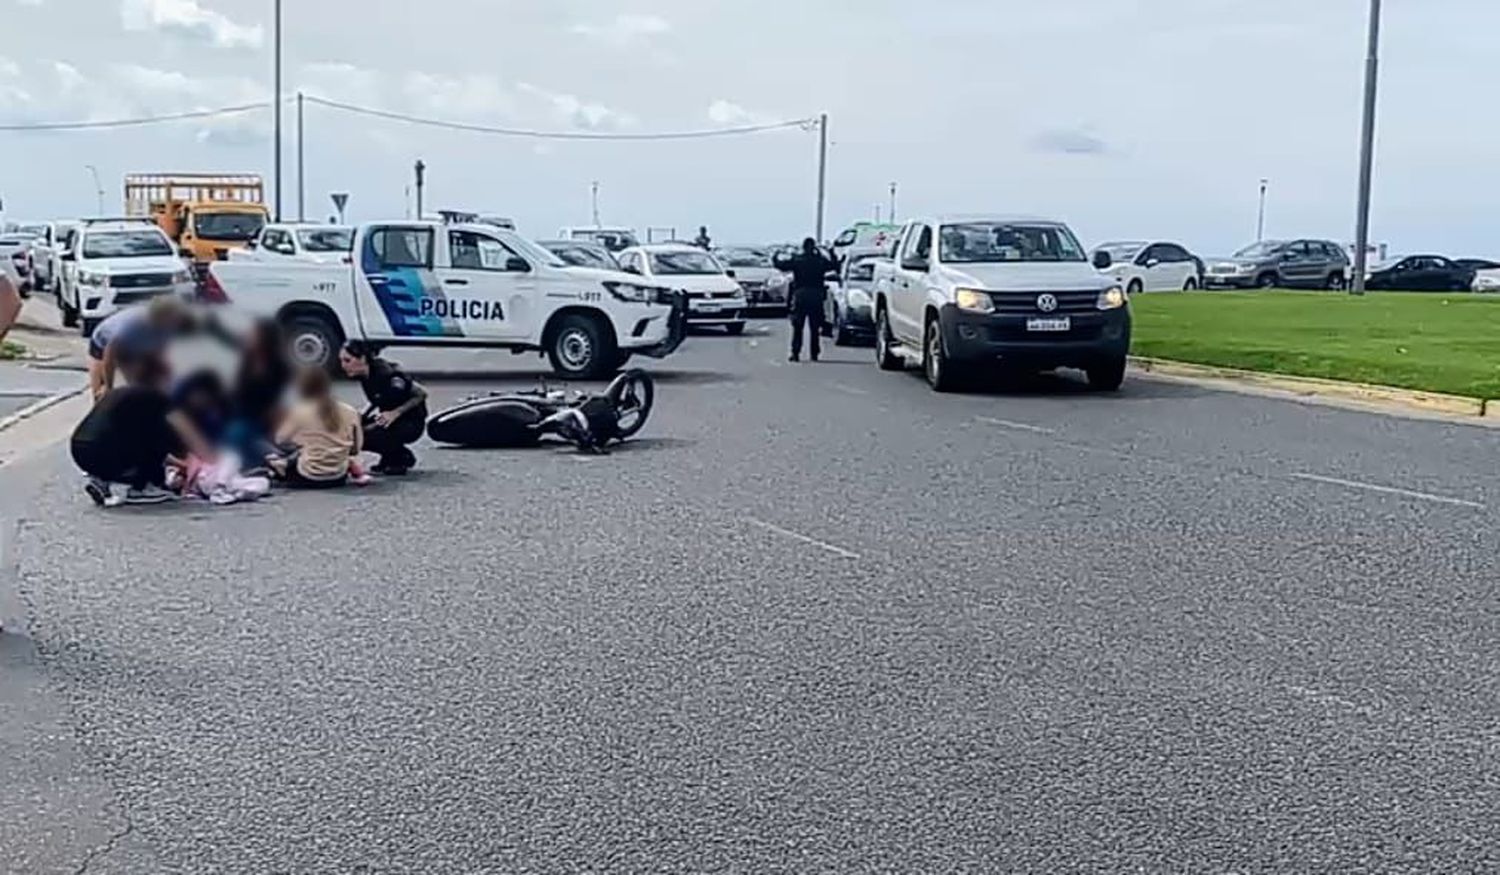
x,y
517,264
1102,260
729,273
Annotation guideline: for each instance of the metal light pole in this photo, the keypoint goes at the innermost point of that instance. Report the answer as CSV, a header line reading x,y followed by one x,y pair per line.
x,y
594,202
98,187
421,171
822,171
893,203
277,102
301,165
1366,154
1260,218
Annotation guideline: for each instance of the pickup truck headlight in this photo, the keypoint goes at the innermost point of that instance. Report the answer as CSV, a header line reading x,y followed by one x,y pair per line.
x,y
182,276
90,278
974,301
631,292
859,298
1112,299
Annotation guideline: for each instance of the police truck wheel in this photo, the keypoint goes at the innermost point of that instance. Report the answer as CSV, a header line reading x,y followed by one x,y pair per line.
x,y
735,328
885,357
313,341
69,314
581,349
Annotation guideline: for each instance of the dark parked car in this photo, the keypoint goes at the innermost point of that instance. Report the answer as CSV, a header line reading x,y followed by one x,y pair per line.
x,y
1421,273
1287,264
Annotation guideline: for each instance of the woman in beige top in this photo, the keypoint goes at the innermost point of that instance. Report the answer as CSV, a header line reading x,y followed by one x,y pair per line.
x,y
323,434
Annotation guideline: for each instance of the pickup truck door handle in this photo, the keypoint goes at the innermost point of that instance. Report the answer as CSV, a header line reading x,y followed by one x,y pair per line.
x,y
455,282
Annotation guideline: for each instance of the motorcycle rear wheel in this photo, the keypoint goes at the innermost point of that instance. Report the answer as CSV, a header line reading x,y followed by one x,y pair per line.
x,y
634,394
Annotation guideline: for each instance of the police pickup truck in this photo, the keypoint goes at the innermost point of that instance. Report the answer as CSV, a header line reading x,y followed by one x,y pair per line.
x,y
432,284
968,292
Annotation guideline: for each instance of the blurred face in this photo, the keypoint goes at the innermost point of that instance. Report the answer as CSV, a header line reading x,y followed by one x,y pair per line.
x,y
353,366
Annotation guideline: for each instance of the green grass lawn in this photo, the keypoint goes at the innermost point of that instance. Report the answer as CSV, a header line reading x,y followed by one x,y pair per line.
x,y
9,349
1435,342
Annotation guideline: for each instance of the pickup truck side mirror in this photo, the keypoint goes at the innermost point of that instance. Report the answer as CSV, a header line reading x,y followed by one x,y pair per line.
x,y
252,243
914,262
68,256
630,268
517,264
729,273
1102,260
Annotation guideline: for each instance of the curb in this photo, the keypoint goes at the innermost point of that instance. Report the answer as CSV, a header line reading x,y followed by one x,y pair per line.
x,y
1317,387
41,406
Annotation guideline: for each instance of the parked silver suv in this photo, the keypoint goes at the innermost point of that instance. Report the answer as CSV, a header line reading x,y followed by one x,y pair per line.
x,y
1286,264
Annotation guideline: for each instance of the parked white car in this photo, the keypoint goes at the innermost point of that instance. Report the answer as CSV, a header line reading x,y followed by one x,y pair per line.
x,y
16,260
118,262
432,284
970,292
47,243
327,244
715,297
1144,266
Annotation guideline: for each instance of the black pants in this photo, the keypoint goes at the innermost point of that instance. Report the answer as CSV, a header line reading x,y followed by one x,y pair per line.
x,y
393,444
135,460
812,318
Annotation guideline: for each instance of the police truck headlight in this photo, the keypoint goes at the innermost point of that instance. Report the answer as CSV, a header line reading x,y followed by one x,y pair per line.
x,y
89,278
182,276
1112,299
974,301
631,292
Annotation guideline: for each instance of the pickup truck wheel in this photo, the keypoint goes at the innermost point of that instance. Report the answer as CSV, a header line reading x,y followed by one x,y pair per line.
x,y
313,341
86,326
69,315
935,363
735,328
885,357
1106,376
581,349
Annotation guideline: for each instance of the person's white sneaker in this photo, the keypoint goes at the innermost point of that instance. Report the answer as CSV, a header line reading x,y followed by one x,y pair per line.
x,y
98,491
148,495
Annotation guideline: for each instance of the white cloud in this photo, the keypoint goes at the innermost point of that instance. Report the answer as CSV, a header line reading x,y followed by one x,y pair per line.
x,y
624,29
575,112
188,20
730,114
1069,141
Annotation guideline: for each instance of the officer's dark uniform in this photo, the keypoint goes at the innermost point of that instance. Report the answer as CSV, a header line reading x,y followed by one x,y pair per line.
x,y
387,388
808,291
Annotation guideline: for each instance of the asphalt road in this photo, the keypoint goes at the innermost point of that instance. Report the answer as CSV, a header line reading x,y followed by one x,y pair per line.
x,y
817,619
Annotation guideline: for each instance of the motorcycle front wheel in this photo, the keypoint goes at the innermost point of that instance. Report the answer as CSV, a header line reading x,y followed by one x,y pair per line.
x,y
633,393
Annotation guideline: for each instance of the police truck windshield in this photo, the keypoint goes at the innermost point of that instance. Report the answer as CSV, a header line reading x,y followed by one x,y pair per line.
x,y
228,226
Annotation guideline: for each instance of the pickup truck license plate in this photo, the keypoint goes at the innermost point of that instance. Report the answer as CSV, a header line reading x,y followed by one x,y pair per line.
x,y
1059,324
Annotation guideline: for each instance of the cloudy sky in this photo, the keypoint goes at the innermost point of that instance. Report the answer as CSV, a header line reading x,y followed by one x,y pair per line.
x,y
1129,118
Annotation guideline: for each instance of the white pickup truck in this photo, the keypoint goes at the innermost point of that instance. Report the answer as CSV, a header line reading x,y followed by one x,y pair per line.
x,y
969,292
431,284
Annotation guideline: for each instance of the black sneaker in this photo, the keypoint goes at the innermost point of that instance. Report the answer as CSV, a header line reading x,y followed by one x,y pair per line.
x,y
386,470
794,358
98,491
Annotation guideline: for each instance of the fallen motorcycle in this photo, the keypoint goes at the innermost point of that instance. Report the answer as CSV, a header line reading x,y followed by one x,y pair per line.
x,y
508,420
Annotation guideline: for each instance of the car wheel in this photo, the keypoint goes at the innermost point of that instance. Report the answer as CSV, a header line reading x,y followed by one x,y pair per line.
x,y
885,356
1135,288
1267,281
1191,285
842,336
1335,282
580,348
86,327
936,366
1106,376
735,328
313,341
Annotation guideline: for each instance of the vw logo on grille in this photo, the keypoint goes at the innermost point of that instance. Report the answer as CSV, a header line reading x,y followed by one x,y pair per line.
x,y
1046,303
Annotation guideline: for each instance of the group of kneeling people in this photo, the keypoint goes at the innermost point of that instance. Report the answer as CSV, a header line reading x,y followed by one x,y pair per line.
x,y
155,438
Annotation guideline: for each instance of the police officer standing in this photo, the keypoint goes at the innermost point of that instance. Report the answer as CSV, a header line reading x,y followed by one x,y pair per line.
x,y
397,416
809,270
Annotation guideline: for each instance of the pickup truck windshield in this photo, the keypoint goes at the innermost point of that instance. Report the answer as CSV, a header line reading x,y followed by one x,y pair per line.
x,y
583,255
126,244
228,226
1260,250
987,242
327,240
745,257
684,263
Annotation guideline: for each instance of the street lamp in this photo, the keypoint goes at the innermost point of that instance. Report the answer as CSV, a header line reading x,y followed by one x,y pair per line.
x,y
277,101
98,187
1366,154
1260,219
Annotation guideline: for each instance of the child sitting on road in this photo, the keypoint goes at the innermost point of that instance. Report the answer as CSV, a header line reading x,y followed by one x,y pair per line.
x,y
322,436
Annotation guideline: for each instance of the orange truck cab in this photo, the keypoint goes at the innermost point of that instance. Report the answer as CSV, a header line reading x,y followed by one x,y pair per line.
x,y
205,214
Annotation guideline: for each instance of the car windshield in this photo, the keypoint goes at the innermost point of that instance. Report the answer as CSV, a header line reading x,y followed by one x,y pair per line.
x,y
745,257
1260,250
1122,251
126,244
32,230
228,226
583,255
988,242
684,262
326,239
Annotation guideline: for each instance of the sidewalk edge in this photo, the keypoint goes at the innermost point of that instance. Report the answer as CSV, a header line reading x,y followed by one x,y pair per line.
x,y
41,406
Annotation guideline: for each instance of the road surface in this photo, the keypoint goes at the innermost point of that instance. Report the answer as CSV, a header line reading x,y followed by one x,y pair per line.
x,y
817,619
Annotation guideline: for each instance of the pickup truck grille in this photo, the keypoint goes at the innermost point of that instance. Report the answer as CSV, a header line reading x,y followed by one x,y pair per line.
x,y
140,280
1025,303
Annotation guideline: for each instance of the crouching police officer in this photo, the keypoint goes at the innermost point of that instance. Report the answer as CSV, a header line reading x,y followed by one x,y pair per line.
x,y
397,415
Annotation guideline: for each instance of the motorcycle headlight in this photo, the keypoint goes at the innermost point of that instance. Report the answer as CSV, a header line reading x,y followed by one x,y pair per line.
x,y
1112,299
859,298
632,292
974,301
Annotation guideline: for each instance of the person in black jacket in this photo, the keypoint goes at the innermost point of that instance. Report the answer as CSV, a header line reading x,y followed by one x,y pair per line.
x,y
809,270
397,416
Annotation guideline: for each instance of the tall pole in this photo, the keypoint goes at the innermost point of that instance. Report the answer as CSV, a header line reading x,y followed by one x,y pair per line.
x,y
301,166
98,187
594,202
277,101
822,171
893,203
1366,154
421,171
1260,217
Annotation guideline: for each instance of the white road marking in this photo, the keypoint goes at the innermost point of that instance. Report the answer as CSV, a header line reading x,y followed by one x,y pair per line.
x,y
788,533
1388,490
1018,426
849,390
